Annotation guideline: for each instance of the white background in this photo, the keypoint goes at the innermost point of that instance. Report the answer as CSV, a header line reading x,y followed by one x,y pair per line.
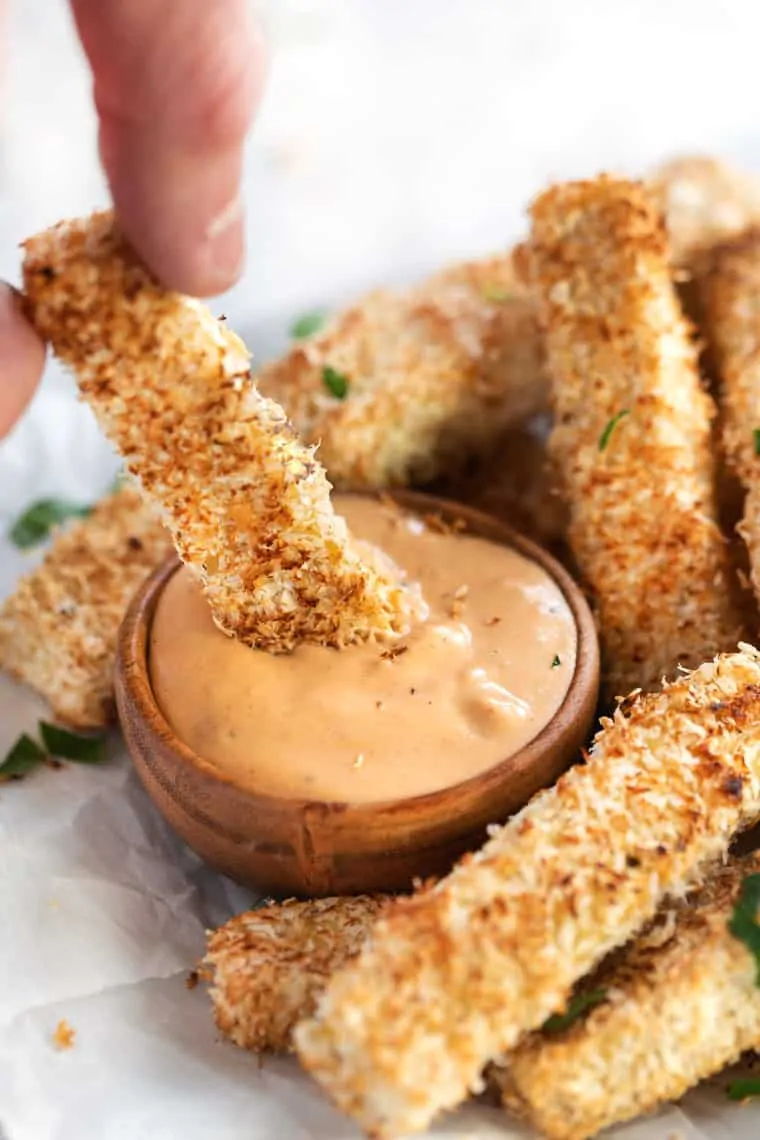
x,y
395,135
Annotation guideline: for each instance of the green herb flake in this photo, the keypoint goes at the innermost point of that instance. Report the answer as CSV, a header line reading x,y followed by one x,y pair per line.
x,y
743,1088
24,756
556,661
35,524
308,324
756,440
335,382
576,1007
606,435
743,922
71,746
496,294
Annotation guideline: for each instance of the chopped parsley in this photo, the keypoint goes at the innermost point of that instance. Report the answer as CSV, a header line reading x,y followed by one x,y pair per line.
x,y
496,294
35,524
27,754
743,922
756,440
606,435
71,746
556,661
576,1007
743,1087
335,382
307,324
24,756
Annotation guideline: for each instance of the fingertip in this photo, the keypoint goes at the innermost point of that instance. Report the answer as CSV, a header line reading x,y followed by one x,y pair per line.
x,y
22,359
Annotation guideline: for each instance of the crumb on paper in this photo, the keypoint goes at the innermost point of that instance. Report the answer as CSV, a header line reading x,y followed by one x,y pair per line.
x,y
191,981
394,652
493,621
358,761
65,1035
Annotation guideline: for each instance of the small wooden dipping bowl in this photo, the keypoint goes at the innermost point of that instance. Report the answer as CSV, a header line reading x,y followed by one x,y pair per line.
x,y
286,847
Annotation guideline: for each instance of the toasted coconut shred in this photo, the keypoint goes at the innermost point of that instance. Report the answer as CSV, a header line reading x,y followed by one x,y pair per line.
x,y
729,290
454,977
632,432
433,375
248,505
58,629
267,967
676,1009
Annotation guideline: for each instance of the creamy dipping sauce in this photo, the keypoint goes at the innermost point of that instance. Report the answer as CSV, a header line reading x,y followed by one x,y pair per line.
x,y
465,689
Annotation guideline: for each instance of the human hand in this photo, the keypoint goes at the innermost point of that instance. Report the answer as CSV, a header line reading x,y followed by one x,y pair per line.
x,y
175,88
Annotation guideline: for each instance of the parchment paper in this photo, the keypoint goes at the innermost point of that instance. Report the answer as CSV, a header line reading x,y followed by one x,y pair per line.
x,y
102,915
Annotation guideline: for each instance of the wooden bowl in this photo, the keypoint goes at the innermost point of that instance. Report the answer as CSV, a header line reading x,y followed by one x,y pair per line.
x,y
286,847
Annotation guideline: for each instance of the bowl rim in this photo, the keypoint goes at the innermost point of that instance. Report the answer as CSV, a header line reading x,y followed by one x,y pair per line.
x,y
134,680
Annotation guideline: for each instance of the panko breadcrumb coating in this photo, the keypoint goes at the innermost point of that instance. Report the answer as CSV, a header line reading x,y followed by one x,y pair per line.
x,y
267,967
632,432
58,629
705,201
434,374
680,1004
247,503
453,977
730,301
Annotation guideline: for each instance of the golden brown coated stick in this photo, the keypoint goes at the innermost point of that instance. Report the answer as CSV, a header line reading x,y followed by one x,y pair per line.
x,y
247,503
432,375
267,967
680,1004
58,629
632,432
455,976
729,291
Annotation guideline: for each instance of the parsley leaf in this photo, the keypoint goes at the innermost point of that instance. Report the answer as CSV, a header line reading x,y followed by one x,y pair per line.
x,y
756,440
71,746
24,756
556,661
576,1007
35,524
604,438
496,294
335,382
307,324
743,922
743,1087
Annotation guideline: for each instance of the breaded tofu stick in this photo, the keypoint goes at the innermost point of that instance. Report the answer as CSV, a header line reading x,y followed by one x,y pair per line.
x,y
405,385
453,977
680,1004
58,629
632,432
247,503
267,967
705,201
730,301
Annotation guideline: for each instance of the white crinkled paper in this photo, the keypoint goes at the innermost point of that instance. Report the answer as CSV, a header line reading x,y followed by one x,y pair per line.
x,y
102,915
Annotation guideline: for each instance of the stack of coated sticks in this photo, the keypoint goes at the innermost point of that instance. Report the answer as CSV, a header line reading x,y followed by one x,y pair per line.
x,y
599,955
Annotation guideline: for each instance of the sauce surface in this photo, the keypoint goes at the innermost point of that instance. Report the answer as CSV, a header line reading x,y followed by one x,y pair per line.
x,y
465,689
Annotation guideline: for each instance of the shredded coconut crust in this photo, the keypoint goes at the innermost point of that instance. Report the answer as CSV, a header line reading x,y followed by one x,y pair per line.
x,y
434,375
248,505
58,630
632,432
705,201
729,290
681,1003
267,967
453,977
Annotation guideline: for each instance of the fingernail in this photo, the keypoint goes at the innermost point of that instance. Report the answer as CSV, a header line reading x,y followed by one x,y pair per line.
x,y
225,246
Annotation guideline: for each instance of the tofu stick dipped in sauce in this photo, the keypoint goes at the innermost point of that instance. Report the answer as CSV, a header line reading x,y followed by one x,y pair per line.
x,y
455,651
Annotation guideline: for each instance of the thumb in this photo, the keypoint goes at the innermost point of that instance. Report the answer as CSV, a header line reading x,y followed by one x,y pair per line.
x,y
22,359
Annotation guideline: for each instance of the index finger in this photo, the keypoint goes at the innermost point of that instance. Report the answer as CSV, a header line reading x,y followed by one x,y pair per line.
x,y
176,85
